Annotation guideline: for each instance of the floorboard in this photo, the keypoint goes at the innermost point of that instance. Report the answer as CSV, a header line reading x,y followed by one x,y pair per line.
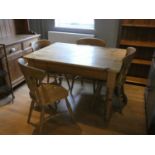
x,y
89,121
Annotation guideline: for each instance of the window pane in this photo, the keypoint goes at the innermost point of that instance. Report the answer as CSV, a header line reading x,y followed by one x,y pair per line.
x,y
76,24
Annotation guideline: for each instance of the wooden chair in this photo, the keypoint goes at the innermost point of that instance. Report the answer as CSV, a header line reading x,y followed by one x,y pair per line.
x,y
36,45
88,41
91,41
57,77
119,99
40,44
42,94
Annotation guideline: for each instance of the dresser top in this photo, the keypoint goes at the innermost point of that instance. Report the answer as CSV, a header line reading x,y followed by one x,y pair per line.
x,y
17,39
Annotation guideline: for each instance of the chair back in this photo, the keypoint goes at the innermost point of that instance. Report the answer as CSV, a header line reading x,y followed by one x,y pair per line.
x,y
119,97
126,65
40,44
33,77
91,41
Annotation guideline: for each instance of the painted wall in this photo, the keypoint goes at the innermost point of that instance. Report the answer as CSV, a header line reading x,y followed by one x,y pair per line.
x,y
106,29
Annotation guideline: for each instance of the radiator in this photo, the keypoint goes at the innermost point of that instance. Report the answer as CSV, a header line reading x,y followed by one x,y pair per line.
x,y
66,37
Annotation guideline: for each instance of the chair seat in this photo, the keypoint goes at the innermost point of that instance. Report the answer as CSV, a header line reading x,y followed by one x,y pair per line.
x,y
50,93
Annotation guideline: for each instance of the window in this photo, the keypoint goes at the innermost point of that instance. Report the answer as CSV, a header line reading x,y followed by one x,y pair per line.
x,y
75,24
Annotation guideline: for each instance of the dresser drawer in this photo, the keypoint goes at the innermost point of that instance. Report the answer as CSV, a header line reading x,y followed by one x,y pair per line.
x,y
13,48
27,43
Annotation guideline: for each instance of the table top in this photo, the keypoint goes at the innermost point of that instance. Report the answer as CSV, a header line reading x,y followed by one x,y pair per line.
x,y
81,55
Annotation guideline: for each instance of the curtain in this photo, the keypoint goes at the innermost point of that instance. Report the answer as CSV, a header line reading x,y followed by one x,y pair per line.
x,y
41,26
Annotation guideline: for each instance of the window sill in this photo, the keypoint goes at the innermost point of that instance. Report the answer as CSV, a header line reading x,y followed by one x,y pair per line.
x,y
85,31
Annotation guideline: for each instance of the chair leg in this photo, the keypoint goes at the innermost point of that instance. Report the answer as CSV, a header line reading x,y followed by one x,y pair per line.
x,y
48,78
96,94
94,86
30,111
60,80
56,106
67,80
55,79
72,84
125,99
98,87
69,107
54,76
81,79
41,119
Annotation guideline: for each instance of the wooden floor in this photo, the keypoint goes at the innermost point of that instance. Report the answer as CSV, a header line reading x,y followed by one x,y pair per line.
x,y
88,121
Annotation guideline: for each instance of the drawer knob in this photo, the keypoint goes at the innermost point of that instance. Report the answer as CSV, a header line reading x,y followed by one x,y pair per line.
x,y
12,50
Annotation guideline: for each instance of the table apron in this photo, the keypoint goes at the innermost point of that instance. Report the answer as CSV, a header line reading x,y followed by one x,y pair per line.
x,y
93,73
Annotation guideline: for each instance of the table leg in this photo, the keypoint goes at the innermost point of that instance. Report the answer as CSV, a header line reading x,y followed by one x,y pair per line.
x,y
111,80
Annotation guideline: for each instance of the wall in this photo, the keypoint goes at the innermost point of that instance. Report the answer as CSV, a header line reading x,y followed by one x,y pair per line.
x,y
106,29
